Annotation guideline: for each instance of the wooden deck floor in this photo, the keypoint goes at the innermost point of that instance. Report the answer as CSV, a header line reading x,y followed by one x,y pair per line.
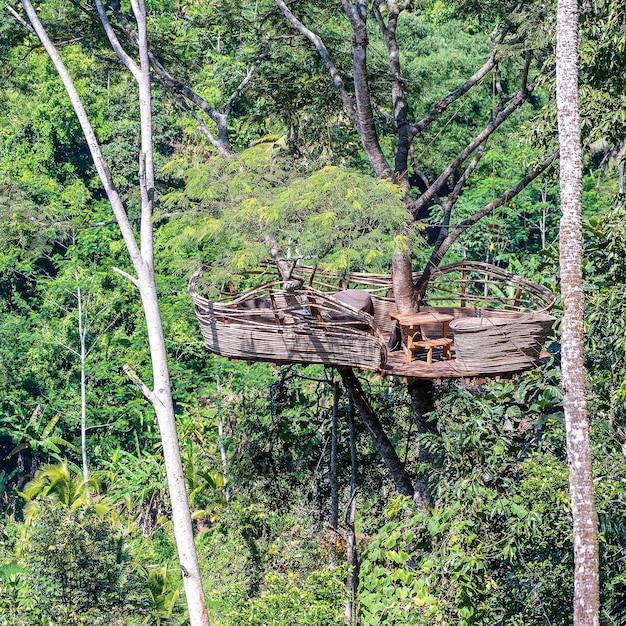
x,y
439,369
418,368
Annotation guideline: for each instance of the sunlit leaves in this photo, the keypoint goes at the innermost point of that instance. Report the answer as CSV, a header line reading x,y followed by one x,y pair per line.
x,y
331,216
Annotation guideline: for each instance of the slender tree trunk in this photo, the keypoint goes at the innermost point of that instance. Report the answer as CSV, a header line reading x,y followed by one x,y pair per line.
x,y
385,448
220,435
82,335
334,482
142,257
352,555
584,516
164,408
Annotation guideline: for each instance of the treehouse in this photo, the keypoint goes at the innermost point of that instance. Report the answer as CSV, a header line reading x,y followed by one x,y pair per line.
x,y
475,320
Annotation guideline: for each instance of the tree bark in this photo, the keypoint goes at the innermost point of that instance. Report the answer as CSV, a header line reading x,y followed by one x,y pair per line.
x,y
422,403
388,29
352,581
357,16
83,326
406,297
385,448
142,258
220,437
352,555
334,482
584,516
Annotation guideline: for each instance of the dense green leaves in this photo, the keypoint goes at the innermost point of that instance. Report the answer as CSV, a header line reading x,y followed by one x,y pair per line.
x,y
495,549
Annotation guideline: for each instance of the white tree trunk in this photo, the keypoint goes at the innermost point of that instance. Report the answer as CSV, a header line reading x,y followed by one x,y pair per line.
x,y
162,402
220,436
83,326
142,258
585,521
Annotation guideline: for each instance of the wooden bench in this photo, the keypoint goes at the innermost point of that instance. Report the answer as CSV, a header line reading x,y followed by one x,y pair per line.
x,y
443,343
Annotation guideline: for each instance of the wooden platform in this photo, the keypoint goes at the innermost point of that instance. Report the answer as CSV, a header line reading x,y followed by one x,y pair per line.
x,y
418,368
440,368
497,321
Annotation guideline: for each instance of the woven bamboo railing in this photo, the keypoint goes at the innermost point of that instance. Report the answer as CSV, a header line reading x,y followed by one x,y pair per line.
x,y
308,325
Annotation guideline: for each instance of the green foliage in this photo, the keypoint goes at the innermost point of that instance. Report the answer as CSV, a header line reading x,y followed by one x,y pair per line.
x,y
605,281
63,485
314,601
16,597
138,483
334,217
78,568
496,549
164,606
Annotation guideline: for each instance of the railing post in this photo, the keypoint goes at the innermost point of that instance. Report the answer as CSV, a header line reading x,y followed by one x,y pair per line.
x,y
463,287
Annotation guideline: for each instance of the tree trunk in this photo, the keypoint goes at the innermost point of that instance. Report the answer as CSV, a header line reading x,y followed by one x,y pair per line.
x,y
334,482
388,29
357,16
407,298
352,555
82,337
385,448
143,261
352,582
584,516
220,437
164,409
422,402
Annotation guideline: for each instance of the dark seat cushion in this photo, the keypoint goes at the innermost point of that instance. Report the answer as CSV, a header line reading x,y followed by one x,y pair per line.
x,y
257,304
356,298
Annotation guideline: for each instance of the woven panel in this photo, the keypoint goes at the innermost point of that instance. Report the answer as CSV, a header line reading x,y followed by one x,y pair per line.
x,y
500,343
304,326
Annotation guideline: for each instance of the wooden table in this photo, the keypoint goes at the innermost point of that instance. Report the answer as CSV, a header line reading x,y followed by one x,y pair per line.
x,y
411,323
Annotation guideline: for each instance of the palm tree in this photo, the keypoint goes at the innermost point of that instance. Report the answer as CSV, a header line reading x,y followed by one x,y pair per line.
x,y
164,606
63,484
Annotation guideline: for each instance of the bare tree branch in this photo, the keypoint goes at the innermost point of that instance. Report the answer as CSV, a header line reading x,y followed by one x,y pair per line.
x,y
444,103
148,394
440,251
518,99
452,198
229,105
124,57
323,52
126,275
18,18
357,17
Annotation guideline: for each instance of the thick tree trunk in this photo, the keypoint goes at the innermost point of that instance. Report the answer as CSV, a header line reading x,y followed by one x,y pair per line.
x,y
385,448
584,516
407,298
